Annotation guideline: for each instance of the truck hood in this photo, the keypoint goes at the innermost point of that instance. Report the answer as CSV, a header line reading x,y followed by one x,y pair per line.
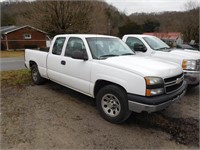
x,y
192,51
176,56
186,54
143,65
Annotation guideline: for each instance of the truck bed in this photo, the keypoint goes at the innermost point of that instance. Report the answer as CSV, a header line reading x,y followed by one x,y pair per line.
x,y
38,57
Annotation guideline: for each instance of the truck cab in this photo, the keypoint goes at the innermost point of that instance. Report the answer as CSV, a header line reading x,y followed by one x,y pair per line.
x,y
147,45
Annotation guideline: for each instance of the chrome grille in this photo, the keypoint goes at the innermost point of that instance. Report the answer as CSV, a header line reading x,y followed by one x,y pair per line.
x,y
173,83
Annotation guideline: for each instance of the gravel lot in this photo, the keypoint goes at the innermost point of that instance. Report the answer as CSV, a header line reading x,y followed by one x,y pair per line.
x,y
54,117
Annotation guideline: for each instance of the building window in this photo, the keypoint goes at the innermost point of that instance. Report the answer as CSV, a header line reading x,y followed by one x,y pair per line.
x,y
27,36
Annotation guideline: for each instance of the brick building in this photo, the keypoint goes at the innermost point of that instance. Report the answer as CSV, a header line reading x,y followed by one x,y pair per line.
x,y
20,37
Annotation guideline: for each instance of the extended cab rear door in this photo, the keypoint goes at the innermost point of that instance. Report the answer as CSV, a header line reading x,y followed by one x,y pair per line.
x,y
74,73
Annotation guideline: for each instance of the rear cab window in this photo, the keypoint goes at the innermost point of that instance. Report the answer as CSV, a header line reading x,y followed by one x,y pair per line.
x,y
58,45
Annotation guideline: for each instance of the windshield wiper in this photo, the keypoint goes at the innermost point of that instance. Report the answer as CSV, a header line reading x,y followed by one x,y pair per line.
x,y
109,55
167,49
128,54
162,48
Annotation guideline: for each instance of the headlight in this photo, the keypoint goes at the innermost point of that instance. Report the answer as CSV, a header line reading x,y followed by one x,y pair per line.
x,y
154,86
153,92
189,64
154,80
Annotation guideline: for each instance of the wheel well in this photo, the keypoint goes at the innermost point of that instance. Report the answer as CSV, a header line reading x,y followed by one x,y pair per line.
x,y
31,63
102,83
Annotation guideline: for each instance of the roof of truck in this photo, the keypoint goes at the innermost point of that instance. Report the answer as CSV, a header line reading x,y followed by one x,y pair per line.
x,y
138,35
87,35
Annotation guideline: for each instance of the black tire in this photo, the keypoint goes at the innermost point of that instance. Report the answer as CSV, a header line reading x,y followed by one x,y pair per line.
x,y
117,111
35,75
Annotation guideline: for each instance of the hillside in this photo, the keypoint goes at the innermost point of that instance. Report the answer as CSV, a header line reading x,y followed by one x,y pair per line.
x,y
97,17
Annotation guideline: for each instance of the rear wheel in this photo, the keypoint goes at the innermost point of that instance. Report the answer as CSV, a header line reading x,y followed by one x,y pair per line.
x,y
112,104
36,77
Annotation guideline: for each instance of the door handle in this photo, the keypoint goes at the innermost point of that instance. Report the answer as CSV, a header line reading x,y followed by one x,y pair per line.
x,y
63,62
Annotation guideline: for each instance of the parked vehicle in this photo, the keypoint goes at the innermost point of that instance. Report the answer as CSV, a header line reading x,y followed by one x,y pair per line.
x,y
105,68
146,45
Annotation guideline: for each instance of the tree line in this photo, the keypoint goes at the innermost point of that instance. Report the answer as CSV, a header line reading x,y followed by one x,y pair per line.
x,y
98,17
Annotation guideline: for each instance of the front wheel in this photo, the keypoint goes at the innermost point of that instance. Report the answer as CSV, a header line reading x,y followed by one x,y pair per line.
x,y
113,104
36,77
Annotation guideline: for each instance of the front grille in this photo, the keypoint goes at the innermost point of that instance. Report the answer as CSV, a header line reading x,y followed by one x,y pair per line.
x,y
173,83
167,80
173,87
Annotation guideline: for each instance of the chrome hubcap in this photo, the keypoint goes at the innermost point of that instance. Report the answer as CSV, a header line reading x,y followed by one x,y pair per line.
x,y
111,105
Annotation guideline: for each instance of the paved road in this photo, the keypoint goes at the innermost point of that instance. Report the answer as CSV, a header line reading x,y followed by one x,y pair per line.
x,y
12,63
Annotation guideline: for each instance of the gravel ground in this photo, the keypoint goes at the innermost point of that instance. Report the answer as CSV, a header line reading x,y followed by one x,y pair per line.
x,y
54,117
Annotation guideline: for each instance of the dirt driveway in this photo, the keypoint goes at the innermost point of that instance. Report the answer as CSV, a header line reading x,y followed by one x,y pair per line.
x,y
53,117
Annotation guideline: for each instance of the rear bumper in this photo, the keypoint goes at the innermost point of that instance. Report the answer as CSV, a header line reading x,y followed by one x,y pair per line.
x,y
192,77
152,104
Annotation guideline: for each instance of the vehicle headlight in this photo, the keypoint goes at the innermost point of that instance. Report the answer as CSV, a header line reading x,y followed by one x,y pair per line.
x,y
154,81
189,64
154,92
154,86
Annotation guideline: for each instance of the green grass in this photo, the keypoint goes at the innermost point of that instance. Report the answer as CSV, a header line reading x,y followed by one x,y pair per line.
x,y
12,53
15,78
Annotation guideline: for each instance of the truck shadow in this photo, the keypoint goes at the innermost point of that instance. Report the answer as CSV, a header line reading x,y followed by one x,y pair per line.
x,y
192,91
81,98
182,130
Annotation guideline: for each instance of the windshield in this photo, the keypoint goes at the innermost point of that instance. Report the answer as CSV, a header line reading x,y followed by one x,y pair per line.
x,y
155,43
102,47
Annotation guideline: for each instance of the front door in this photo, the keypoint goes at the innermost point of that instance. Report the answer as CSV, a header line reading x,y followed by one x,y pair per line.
x,y
76,72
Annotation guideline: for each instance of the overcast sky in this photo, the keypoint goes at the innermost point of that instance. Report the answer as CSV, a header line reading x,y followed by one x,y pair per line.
x,y
147,6
131,6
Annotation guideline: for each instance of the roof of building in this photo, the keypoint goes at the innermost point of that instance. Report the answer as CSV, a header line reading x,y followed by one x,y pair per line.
x,y
165,35
8,29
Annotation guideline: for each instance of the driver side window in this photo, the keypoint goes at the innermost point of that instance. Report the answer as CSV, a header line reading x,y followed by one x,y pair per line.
x,y
131,41
74,44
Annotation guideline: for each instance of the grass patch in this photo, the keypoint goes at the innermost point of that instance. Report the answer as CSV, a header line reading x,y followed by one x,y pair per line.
x,y
7,54
15,78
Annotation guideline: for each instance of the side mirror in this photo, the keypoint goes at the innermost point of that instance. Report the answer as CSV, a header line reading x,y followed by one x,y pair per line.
x,y
139,47
79,54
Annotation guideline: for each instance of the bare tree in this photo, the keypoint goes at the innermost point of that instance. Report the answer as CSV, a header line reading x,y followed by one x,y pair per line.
x,y
98,18
189,5
58,17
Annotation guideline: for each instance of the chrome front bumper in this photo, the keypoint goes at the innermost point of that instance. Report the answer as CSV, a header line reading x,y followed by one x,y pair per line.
x,y
192,77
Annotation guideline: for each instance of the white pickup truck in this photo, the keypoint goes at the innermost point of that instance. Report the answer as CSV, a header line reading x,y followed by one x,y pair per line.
x,y
105,68
147,45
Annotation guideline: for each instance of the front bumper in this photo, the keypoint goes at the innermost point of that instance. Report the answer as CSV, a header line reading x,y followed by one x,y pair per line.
x,y
152,104
192,77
